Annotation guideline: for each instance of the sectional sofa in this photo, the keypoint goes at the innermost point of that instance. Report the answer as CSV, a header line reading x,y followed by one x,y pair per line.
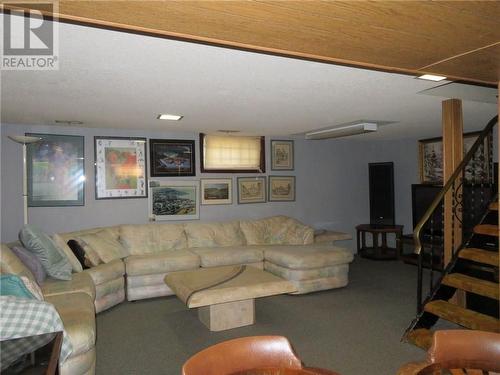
x,y
131,261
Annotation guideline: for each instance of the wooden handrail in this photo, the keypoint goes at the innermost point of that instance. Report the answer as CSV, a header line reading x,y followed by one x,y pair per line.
x,y
449,183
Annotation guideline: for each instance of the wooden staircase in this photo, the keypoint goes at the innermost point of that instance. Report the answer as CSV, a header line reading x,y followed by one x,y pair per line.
x,y
473,271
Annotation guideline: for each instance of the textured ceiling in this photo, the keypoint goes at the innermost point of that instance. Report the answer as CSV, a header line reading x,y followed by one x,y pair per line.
x,y
120,80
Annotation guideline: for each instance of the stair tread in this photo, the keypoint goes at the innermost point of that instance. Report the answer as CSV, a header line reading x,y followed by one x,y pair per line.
x,y
472,284
464,317
488,229
479,255
494,206
421,337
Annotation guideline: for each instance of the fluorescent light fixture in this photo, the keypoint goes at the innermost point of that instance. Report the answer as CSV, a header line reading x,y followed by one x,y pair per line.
x,y
431,77
343,131
167,116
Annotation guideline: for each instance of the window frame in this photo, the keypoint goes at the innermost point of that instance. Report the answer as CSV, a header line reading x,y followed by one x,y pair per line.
x,y
262,159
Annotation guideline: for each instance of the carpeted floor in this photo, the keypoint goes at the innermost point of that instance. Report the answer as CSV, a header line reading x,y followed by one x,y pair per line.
x,y
354,330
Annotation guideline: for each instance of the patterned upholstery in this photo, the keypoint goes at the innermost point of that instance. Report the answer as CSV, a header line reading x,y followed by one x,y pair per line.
x,y
308,256
277,230
80,283
152,238
215,257
214,234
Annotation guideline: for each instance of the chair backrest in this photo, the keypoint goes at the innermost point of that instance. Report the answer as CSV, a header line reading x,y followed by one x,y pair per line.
x,y
466,349
241,354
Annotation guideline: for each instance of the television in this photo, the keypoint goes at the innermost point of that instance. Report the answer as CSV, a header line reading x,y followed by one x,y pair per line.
x,y
422,196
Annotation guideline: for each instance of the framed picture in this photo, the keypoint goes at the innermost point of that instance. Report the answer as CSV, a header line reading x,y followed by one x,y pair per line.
x,y
251,189
175,200
281,188
216,191
172,157
56,171
431,159
120,168
282,155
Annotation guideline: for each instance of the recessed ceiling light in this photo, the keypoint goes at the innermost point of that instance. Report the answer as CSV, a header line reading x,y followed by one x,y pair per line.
x,y
431,77
167,116
68,122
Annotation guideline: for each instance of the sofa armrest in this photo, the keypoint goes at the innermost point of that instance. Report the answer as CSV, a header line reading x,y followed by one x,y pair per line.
x,y
106,271
330,236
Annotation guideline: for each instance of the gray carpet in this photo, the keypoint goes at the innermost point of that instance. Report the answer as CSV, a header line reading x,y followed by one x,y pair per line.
x,y
354,330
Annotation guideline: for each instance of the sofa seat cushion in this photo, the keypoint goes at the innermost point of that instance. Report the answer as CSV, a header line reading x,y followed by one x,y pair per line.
x,y
80,283
306,274
307,256
78,316
107,271
225,256
214,234
166,261
276,230
152,238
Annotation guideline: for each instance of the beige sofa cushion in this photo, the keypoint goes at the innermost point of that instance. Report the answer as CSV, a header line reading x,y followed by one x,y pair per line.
x,y
211,257
307,256
277,230
152,238
106,272
166,261
80,283
10,263
78,316
106,247
214,234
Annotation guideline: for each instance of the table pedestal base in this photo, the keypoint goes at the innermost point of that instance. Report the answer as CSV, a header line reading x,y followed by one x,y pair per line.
x,y
228,315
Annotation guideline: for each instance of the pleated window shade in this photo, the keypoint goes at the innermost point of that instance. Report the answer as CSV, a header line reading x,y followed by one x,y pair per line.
x,y
231,153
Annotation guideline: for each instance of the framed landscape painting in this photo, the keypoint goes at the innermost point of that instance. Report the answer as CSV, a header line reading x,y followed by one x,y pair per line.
x,y
175,200
172,157
251,189
216,191
281,188
56,172
120,168
282,158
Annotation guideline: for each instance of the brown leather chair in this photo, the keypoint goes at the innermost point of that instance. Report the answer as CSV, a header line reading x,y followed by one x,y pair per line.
x,y
459,352
247,354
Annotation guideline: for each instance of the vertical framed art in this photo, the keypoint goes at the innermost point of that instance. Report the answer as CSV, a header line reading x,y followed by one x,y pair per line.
x,y
282,155
56,171
120,168
172,157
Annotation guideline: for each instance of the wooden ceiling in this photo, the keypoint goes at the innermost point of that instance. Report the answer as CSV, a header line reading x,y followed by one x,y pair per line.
x,y
457,39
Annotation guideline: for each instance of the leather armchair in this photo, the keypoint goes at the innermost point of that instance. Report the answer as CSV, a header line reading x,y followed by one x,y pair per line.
x,y
460,350
247,353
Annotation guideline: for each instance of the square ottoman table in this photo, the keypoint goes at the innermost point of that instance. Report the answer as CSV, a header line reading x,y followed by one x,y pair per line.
x,y
225,295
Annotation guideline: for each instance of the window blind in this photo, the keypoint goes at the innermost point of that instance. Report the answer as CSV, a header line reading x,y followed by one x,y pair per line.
x,y
229,152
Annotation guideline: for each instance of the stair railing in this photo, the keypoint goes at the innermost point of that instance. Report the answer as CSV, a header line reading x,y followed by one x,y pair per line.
x,y
471,187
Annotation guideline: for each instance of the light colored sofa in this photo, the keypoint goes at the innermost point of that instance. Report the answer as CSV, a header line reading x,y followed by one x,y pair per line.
x,y
279,244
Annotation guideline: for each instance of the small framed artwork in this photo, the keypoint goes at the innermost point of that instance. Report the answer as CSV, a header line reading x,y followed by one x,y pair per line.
x,y
56,172
120,168
282,155
172,157
281,188
216,191
251,189
175,200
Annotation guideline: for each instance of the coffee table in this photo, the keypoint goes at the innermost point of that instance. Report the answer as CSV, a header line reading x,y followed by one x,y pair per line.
x,y
225,295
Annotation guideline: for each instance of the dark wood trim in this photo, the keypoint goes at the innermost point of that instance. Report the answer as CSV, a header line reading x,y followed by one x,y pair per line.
x,y
262,160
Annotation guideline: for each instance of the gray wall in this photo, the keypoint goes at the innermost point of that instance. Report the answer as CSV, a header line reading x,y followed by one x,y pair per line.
x,y
331,191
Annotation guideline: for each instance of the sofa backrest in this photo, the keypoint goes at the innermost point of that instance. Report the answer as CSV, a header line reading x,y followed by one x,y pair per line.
x,y
276,230
141,239
10,263
214,234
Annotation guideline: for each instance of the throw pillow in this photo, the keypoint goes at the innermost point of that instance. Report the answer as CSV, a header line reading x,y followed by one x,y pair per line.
x,y
31,262
12,285
91,258
107,248
62,245
78,252
52,259
33,288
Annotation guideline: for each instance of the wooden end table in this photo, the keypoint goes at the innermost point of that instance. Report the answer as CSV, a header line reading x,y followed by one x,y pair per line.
x,y
382,252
